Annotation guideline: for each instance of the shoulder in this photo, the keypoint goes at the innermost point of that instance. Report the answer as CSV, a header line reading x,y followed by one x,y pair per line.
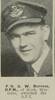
x,y
46,69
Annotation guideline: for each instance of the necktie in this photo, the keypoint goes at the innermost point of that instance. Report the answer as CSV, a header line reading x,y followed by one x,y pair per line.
x,y
30,70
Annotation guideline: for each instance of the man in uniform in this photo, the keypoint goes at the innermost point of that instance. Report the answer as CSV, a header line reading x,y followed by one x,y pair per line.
x,y
25,27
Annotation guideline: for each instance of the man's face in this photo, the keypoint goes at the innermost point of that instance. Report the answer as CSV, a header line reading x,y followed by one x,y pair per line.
x,y
28,42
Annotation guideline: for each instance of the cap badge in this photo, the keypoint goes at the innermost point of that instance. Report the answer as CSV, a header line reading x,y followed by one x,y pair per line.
x,y
16,11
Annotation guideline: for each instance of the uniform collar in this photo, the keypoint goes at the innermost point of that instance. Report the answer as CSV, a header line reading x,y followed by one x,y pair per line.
x,y
38,64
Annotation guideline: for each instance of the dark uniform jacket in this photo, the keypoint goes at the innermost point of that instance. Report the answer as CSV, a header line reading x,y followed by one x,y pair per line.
x,y
13,67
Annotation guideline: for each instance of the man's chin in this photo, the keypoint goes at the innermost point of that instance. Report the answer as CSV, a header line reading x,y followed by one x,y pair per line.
x,y
27,60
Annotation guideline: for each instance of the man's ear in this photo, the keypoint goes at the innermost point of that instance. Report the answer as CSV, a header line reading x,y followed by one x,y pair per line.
x,y
46,32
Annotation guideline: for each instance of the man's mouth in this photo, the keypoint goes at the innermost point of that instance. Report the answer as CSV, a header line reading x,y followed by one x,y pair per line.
x,y
26,50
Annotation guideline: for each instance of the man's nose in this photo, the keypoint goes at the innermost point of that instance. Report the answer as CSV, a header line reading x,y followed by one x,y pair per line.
x,y
23,43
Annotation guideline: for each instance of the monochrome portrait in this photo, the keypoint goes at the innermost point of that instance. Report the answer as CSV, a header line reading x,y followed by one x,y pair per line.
x,y
26,35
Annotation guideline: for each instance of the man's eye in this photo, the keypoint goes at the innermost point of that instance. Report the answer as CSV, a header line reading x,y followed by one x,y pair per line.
x,y
14,36
30,33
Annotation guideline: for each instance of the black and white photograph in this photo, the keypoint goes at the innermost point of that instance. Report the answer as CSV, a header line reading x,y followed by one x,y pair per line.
x,y
27,52
26,38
